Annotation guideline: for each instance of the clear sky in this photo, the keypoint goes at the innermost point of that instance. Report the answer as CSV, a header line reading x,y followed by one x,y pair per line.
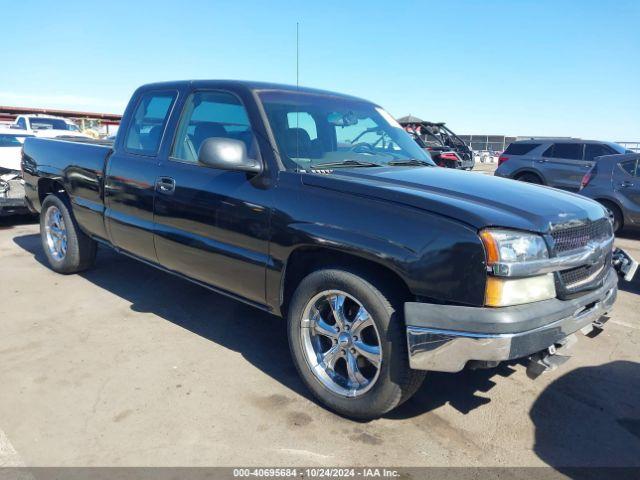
x,y
515,67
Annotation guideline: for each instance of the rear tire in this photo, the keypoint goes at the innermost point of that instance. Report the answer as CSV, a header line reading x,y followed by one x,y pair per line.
x,y
68,249
530,178
383,387
615,213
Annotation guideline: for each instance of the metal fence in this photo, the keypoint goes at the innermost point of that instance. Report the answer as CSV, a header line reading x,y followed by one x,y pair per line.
x,y
633,146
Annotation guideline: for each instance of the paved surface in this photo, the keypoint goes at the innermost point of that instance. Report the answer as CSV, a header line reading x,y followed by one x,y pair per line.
x,y
125,365
487,168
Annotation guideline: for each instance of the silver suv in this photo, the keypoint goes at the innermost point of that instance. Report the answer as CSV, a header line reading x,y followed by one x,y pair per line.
x,y
557,162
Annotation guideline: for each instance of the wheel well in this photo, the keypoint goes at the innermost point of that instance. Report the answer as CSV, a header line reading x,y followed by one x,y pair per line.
x,y
47,186
305,260
521,174
606,201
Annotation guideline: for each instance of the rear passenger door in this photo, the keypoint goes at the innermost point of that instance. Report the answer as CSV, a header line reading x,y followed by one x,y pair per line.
x,y
131,175
564,166
626,183
212,225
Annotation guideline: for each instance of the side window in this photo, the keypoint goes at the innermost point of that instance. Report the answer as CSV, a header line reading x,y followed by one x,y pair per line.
x,y
572,151
22,123
304,121
148,122
631,167
520,148
212,114
593,150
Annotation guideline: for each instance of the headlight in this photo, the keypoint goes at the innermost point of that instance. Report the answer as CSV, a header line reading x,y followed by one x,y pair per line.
x,y
505,247
503,292
511,253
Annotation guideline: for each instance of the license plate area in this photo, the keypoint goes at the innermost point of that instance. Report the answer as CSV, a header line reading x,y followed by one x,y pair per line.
x,y
625,264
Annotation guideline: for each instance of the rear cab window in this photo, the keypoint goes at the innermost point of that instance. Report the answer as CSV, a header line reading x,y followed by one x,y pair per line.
x,y
148,123
520,148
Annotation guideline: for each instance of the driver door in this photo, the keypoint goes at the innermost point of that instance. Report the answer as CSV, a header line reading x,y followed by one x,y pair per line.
x,y
212,225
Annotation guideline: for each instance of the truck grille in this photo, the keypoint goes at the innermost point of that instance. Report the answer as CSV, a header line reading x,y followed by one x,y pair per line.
x,y
585,277
573,237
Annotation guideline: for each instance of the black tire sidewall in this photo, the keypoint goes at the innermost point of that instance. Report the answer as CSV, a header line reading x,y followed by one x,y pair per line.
x,y
530,178
387,392
71,260
617,215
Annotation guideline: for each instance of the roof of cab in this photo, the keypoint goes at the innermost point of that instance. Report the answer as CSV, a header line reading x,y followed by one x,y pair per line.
x,y
249,85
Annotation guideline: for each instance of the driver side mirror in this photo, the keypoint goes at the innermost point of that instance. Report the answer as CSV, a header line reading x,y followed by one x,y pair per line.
x,y
227,154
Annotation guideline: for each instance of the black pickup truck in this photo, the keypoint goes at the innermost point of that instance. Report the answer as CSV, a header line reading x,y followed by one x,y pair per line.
x,y
318,207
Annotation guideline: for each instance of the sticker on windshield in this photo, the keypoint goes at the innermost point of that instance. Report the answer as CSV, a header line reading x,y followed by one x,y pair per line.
x,y
390,120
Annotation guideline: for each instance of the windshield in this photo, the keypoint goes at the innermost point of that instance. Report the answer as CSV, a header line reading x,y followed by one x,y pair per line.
x,y
314,130
50,124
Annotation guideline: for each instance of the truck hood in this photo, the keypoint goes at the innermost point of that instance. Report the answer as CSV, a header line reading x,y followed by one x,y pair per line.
x,y
473,198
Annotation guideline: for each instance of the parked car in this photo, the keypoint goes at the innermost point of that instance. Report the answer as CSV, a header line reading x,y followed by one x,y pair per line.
x,y
47,126
614,181
445,147
559,163
12,199
318,207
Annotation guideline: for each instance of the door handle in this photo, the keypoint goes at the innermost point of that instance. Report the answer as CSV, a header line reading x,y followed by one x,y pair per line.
x,y
626,184
542,160
166,185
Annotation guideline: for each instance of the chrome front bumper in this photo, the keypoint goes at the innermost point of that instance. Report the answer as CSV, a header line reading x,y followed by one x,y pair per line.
x,y
444,338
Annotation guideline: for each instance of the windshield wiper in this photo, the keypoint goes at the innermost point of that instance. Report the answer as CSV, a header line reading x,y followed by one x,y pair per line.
x,y
347,163
411,161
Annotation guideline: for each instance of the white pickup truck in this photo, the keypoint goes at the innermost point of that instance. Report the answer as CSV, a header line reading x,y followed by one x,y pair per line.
x,y
47,126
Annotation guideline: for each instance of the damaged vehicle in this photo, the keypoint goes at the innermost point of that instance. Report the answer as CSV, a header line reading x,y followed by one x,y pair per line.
x,y
12,198
319,208
444,146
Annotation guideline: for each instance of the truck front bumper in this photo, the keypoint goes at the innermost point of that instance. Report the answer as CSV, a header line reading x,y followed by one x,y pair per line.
x,y
445,337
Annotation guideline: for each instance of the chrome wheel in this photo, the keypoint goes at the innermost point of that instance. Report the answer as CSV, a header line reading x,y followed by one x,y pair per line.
x,y
341,343
55,232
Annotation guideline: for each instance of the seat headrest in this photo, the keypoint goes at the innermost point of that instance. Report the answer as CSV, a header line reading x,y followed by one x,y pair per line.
x,y
297,143
207,130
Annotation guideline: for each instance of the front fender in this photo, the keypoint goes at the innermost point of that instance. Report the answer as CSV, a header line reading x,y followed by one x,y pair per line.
x,y
439,259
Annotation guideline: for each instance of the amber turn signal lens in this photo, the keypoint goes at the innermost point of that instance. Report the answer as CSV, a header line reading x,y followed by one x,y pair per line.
x,y
493,292
490,246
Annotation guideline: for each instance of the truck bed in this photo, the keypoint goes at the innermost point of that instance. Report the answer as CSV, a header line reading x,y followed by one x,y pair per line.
x,y
78,165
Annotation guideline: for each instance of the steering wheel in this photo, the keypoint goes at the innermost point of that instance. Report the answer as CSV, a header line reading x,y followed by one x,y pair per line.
x,y
362,147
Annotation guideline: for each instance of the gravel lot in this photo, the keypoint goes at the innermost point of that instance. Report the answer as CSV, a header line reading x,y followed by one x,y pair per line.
x,y
125,365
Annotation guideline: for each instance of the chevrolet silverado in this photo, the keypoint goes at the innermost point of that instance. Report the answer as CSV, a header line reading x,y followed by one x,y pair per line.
x,y
319,208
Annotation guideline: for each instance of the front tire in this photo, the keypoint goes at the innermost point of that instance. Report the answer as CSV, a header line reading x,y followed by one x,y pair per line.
x,y
348,343
68,249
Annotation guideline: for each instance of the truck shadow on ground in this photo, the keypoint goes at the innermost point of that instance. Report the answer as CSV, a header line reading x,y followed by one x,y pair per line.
x,y
260,337
590,417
